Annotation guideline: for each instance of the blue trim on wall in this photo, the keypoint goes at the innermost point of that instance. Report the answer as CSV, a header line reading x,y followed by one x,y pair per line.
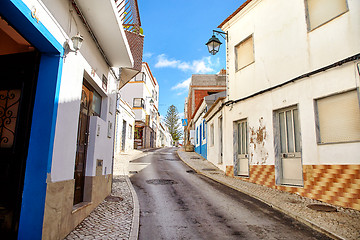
x,y
204,150
39,159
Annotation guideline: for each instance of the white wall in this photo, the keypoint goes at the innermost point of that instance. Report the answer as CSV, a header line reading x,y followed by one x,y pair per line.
x,y
88,63
124,113
213,151
284,49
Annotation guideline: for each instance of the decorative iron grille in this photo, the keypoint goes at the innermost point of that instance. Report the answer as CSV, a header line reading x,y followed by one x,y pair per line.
x,y
9,106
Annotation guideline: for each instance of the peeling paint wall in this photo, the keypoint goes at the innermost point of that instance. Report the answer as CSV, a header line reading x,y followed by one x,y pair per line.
x,y
258,136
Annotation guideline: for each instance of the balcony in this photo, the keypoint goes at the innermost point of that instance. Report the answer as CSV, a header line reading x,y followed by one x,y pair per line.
x,y
116,28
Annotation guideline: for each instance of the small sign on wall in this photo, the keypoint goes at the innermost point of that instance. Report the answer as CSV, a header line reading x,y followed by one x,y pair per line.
x,y
110,127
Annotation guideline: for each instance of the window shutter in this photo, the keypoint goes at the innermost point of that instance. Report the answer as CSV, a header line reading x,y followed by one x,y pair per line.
x,y
339,118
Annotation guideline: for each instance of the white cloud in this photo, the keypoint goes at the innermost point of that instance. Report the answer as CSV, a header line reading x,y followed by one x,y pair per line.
x,y
185,84
147,55
164,62
182,87
204,65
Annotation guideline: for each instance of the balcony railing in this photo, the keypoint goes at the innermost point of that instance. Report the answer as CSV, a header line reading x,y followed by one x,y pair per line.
x,y
129,14
128,11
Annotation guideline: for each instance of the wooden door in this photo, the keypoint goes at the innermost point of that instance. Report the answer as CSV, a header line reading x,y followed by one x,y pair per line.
x,y
82,143
17,92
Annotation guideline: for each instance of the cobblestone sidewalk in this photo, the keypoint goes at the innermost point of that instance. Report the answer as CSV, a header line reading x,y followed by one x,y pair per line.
x,y
117,217
112,219
342,224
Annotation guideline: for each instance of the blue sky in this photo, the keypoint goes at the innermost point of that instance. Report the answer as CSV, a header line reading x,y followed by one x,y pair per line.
x,y
175,35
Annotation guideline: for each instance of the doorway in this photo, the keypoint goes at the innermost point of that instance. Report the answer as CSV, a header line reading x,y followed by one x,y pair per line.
x,y
123,139
220,140
17,92
82,144
289,161
241,167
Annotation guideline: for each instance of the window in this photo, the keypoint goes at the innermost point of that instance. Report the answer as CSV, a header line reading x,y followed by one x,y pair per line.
x,y
138,102
140,77
244,53
212,135
130,131
338,118
242,135
96,104
322,11
104,82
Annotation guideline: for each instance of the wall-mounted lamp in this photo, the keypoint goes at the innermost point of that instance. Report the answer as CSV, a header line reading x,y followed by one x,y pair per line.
x,y
74,45
214,43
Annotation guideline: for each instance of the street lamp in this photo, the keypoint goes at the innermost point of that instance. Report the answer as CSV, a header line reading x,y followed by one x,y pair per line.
x,y
77,41
214,43
74,45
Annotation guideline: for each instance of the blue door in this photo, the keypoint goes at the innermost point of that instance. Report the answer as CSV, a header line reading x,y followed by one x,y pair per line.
x,y
200,142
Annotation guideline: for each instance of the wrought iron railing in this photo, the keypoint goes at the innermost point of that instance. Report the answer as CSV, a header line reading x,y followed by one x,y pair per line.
x,y
129,14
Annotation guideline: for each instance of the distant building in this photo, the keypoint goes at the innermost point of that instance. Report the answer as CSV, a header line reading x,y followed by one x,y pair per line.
x,y
142,94
201,85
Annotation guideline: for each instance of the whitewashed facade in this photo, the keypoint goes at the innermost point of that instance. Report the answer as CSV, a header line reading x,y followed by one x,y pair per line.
x,y
291,118
142,94
70,154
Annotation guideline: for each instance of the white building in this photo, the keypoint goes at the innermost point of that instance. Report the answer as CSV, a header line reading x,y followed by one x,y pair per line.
x,y
124,136
124,140
142,93
165,139
64,138
291,120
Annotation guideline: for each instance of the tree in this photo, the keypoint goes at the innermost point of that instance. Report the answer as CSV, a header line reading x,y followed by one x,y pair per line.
x,y
172,122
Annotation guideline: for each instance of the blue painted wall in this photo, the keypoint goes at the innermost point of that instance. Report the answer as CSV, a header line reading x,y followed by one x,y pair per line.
x,y
39,159
201,140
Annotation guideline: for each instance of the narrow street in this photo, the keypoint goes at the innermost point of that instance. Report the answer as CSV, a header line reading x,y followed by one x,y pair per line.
x,y
177,203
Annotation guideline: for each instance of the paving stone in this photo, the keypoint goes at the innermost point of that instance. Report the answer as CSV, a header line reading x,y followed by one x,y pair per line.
x,y
344,223
111,220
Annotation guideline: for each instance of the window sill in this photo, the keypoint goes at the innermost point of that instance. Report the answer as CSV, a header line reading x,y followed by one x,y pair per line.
x,y
331,143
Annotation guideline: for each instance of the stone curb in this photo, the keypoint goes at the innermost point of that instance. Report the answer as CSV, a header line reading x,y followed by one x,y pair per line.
x,y
305,221
134,232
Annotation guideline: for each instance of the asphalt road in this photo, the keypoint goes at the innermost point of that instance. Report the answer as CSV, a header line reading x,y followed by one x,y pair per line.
x,y
176,203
